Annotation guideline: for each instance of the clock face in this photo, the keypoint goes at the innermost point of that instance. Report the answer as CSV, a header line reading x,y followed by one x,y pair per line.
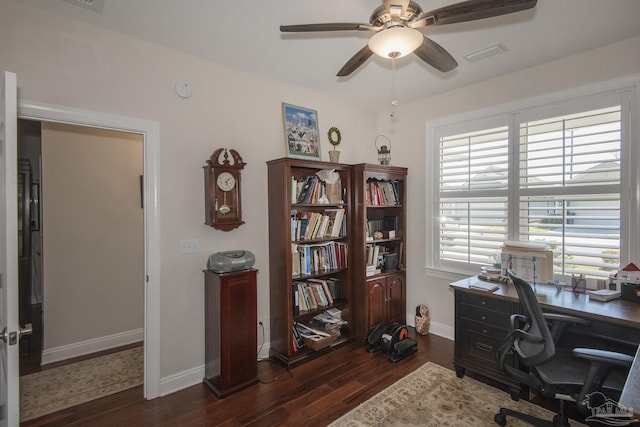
x,y
226,181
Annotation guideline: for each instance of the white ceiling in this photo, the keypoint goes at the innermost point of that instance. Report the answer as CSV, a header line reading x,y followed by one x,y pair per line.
x,y
245,35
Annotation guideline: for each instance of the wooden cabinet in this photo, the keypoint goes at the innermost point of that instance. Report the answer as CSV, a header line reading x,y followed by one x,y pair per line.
x,y
287,211
230,331
384,299
378,244
482,323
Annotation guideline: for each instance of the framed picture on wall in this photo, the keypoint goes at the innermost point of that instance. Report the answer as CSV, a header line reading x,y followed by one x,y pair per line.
x,y
301,132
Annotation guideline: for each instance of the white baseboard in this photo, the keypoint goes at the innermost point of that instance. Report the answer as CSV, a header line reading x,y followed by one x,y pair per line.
x,y
440,329
181,380
193,376
94,345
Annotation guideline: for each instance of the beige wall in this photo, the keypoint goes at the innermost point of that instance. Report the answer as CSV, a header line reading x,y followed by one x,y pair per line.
x,y
66,63
93,234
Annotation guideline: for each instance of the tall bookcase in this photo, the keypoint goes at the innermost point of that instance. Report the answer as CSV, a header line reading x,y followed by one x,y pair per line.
x,y
378,248
286,246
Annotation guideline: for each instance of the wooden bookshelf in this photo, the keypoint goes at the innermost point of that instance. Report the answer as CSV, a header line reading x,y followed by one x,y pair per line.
x,y
379,199
284,270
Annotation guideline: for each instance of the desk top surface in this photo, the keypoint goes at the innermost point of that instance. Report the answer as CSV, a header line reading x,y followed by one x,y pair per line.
x,y
579,304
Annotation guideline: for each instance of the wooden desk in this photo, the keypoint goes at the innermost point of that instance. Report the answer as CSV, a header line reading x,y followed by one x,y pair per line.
x,y
482,322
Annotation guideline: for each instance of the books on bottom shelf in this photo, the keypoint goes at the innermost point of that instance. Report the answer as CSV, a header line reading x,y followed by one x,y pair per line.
x,y
313,338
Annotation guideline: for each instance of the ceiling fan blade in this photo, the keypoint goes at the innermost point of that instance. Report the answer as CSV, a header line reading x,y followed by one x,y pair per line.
x,y
356,60
336,26
436,56
471,10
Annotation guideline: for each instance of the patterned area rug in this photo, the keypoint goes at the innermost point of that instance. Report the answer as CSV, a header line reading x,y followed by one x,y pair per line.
x,y
55,389
434,396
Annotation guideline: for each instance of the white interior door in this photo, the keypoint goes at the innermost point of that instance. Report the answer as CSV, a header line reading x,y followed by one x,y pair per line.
x,y
9,372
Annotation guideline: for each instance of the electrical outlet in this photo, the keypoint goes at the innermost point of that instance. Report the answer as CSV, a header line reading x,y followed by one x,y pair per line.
x,y
189,246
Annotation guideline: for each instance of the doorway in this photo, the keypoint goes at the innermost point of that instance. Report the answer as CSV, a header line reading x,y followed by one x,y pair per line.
x,y
90,264
150,130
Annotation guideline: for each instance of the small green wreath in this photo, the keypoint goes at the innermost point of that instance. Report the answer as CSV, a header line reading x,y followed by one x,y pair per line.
x,y
334,136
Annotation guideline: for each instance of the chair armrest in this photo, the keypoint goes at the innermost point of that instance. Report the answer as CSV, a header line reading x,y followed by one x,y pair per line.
x,y
555,317
604,356
518,321
601,362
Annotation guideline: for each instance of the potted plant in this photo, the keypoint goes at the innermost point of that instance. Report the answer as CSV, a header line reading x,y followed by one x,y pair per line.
x,y
334,139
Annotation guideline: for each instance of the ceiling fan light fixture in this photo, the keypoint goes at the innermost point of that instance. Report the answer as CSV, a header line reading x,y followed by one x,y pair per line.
x,y
395,42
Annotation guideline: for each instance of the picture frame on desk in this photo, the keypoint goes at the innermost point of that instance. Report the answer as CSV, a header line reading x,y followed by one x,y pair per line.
x,y
301,132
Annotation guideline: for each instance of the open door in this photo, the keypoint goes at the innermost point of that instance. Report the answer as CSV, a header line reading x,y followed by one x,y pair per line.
x,y
10,335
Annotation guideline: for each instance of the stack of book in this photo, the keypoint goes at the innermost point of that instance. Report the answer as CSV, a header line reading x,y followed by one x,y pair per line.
x,y
491,274
330,320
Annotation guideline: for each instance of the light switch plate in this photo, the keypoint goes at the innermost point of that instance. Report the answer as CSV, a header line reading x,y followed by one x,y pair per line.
x,y
189,246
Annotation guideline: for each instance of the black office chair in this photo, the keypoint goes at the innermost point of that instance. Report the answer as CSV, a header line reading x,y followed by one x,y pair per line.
x,y
561,373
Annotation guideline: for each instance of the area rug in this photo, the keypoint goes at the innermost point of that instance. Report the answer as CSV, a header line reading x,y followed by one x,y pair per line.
x,y
52,390
433,396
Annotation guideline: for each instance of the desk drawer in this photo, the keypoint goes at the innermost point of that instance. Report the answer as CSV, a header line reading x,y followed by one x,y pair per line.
x,y
484,318
485,302
479,345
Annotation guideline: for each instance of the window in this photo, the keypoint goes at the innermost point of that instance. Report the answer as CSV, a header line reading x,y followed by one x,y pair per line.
x,y
552,175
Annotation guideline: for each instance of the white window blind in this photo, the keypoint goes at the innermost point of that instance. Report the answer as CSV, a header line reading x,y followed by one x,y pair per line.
x,y
570,189
473,195
544,177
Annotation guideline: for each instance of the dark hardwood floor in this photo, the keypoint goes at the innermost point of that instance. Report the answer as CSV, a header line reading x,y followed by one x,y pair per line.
x,y
312,394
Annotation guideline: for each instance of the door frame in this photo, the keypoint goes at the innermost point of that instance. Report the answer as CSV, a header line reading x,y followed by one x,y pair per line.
x,y
150,131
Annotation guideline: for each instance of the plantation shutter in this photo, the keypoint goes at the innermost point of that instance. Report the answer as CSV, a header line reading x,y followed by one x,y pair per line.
x,y
569,189
473,195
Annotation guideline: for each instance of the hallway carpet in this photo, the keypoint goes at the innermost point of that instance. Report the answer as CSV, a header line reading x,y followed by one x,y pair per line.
x,y
58,388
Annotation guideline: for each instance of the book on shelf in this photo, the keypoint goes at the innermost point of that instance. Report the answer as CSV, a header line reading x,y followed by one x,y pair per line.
x,y
298,342
322,283
295,260
312,294
336,219
382,192
372,270
317,225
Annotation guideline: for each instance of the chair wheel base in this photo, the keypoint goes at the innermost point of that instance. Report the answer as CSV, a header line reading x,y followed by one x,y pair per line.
x,y
500,419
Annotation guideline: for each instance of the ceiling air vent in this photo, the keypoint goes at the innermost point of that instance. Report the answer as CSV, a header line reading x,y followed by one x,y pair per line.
x,y
93,5
485,53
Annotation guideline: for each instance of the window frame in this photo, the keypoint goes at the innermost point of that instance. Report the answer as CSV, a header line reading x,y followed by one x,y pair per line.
x,y
552,105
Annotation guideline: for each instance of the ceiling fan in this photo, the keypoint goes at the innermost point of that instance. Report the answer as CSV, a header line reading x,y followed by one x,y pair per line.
x,y
400,19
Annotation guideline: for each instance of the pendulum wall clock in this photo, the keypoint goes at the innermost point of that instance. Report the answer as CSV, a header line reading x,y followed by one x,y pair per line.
x,y
223,204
